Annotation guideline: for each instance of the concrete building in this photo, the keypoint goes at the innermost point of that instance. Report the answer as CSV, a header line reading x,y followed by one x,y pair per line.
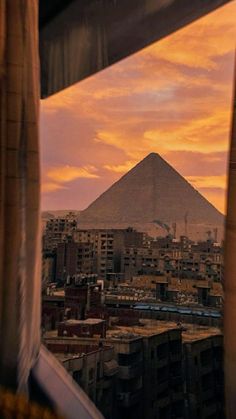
x,y
58,229
164,371
48,267
150,374
74,258
92,366
82,292
109,246
129,355
178,258
53,311
83,328
203,369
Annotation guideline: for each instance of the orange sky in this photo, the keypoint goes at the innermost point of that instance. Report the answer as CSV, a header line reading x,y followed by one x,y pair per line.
x,y
173,98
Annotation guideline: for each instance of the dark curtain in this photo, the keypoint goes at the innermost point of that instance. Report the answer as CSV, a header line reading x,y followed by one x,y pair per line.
x,y
19,192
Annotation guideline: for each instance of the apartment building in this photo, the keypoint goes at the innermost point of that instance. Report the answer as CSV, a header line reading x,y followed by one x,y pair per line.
x,y
92,366
164,371
150,373
128,348
109,246
74,258
82,292
58,229
178,258
48,267
203,369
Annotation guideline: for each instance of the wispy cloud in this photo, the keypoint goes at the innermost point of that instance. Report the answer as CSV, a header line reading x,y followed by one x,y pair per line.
x,y
121,168
47,187
68,173
208,181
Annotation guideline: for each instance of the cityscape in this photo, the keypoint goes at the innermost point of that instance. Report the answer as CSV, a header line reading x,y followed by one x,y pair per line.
x,y
136,318
117,209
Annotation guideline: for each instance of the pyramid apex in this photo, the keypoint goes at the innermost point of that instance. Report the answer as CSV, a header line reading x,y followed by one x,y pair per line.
x,y
153,155
152,158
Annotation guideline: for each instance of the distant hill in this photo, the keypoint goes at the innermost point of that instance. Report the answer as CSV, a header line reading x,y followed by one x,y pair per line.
x,y
151,197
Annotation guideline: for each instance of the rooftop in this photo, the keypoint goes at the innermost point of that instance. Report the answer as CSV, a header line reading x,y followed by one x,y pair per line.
x,y
86,321
146,328
190,332
195,333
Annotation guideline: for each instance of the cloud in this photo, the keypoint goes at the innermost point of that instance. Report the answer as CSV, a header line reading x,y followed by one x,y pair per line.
x,y
121,168
68,173
216,196
205,133
47,187
208,181
173,98
197,45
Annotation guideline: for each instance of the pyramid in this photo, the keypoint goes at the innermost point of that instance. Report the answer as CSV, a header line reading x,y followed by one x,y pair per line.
x,y
152,194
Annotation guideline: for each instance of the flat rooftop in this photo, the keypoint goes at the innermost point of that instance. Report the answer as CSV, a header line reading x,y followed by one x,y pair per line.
x,y
146,328
59,293
86,321
190,332
195,333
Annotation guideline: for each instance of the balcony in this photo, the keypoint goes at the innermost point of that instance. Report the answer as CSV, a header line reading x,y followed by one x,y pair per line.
x,y
177,396
129,399
175,356
130,371
162,362
110,368
163,402
208,394
211,409
160,387
176,380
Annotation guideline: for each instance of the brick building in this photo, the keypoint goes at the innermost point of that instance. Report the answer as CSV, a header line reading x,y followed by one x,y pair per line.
x,y
82,292
83,328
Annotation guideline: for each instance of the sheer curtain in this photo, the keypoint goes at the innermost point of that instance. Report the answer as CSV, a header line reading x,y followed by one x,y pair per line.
x,y
19,192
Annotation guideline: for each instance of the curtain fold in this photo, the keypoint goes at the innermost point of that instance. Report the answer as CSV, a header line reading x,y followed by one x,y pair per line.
x,y
230,275
19,192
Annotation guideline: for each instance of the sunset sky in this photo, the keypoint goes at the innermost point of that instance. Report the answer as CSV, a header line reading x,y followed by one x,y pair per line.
x,y
173,98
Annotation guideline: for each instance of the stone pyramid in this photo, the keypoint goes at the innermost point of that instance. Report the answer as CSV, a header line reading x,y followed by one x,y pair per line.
x,y
152,193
